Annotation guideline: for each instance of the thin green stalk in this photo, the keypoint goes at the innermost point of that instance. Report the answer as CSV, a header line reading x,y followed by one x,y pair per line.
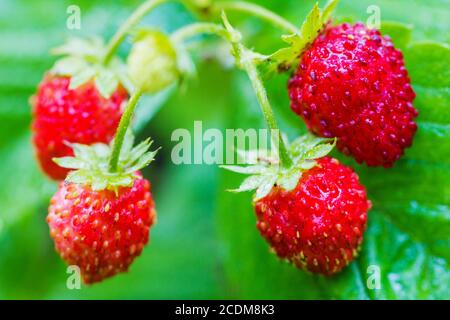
x,y
198,28
133,20
249,66
122,129
256,10
238,6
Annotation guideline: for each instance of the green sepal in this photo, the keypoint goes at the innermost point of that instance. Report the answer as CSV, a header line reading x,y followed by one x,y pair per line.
x,y
285,59
83,61
185,65
90,163
265,170
89,49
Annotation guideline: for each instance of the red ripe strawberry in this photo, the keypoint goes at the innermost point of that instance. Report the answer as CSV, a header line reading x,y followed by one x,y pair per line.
x,y
312,212
319,225
99,231
80,115
100,218
352,84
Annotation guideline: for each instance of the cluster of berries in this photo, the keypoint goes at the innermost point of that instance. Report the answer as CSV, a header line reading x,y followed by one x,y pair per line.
x,y
101,215
351,84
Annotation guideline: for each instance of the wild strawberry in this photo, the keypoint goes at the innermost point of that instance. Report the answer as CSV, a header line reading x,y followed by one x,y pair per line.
x,y
99,219
80,115
352,84
319,225
312,213
152,62
78,101
101,232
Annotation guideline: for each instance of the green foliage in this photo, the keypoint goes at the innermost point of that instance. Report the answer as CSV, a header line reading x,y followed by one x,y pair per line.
x,y
82,61
265,169
90,163
205,244
407,237
284,59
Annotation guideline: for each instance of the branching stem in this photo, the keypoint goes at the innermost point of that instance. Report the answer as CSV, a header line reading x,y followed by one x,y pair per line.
x,y
132,21
250,67
122,129
245,60
258,11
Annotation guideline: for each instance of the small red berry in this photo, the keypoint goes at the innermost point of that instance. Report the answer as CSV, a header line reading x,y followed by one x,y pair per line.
x,y
63,115
101,232
352,84
319,225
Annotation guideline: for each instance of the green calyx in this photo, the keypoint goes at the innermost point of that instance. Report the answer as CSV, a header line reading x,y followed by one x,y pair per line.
x,y
286,58
91,164
82,61
265,170
152,63
248,60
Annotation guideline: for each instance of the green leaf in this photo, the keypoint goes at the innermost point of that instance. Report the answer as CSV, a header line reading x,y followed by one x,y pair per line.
x,y
91,163
256,169
129,157
427,63
70,162
265,164
92,48
69,66
99,183
328,9
100,151
250,183
319,151
429,70
106,82
127,146
78,176
290,180
256,156
408,269
82,151
81,78
303,144
400,33
285,59
407,227
83,61
142,162
312,25
264,189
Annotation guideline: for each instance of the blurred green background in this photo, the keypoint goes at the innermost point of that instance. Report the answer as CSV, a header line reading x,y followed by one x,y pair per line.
x,y
205,244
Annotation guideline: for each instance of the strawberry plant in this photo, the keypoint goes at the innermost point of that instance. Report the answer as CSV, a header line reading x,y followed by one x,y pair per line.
x,y
358,231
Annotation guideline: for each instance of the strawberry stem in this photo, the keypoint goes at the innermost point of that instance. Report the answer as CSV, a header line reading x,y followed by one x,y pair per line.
x,y
246,60
133,20
196,29
238,6
258,86
258,11
122,129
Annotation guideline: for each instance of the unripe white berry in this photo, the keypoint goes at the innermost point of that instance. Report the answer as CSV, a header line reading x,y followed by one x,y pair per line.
x,y
152,63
